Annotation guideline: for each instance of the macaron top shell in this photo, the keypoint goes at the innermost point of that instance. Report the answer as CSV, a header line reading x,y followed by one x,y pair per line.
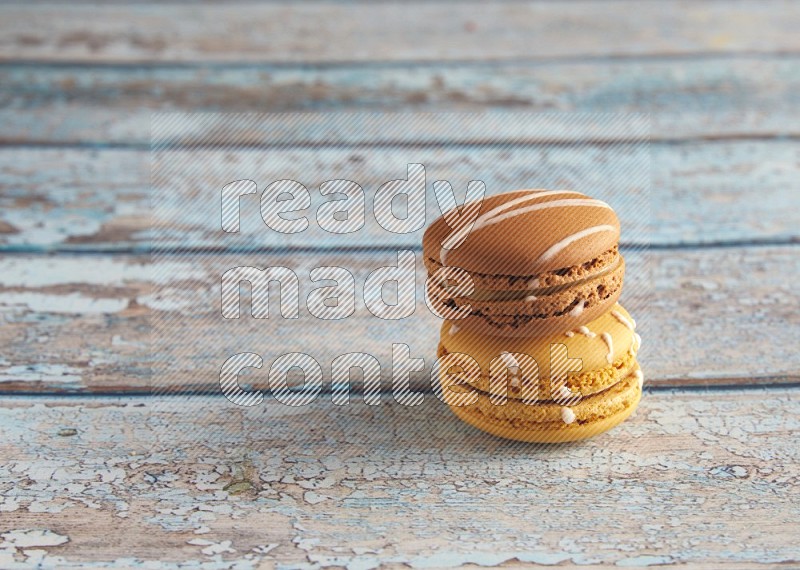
x,y
528,232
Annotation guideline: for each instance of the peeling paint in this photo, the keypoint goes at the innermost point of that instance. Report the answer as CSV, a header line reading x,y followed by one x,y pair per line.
x,y
50,374
212,548
408,486
106,271
72,303
646,560
25,538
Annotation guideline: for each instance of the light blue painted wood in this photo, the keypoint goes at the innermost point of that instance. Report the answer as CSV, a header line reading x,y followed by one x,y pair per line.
x,y
331,32
687,98
709,316
701,193
217,486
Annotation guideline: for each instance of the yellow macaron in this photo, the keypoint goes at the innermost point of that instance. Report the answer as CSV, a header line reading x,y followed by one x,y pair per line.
x,y
563,387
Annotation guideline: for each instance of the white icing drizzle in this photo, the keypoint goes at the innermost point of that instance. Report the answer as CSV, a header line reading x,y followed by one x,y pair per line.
x,y
569,334
454,329
558,247
510,362
610,343
495,216
564,393
621,318
530,298
479,221
517,201
578,310
533,283
636,344
588,202
567,415
586,332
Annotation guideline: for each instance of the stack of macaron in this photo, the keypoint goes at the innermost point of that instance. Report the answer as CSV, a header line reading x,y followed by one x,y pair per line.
x,y
534,346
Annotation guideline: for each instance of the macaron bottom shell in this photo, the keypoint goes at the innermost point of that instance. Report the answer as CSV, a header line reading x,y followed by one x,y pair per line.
x,y
542,422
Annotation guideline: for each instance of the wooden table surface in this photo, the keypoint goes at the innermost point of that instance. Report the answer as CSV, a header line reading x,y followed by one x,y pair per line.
x,y
706,474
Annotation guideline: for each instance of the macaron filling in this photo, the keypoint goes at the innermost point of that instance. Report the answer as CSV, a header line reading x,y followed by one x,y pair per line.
x,y
480,294
576,387
530,282
515,413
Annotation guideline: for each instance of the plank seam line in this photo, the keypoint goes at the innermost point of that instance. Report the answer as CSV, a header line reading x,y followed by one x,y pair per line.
x,y
183,3
322,65
793,384
145,250
434,143
391,144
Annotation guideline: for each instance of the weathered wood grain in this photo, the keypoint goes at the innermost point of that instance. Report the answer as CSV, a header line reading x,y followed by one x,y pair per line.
x,y
696,479
439,31
701,478
687,98
702,193
82,324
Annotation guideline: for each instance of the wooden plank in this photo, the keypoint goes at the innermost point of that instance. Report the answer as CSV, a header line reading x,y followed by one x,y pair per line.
x,y
90,200
694,479
440,31
82,324
687,98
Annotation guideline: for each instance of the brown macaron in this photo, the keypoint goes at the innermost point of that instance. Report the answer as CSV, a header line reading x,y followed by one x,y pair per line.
x,y
539,261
